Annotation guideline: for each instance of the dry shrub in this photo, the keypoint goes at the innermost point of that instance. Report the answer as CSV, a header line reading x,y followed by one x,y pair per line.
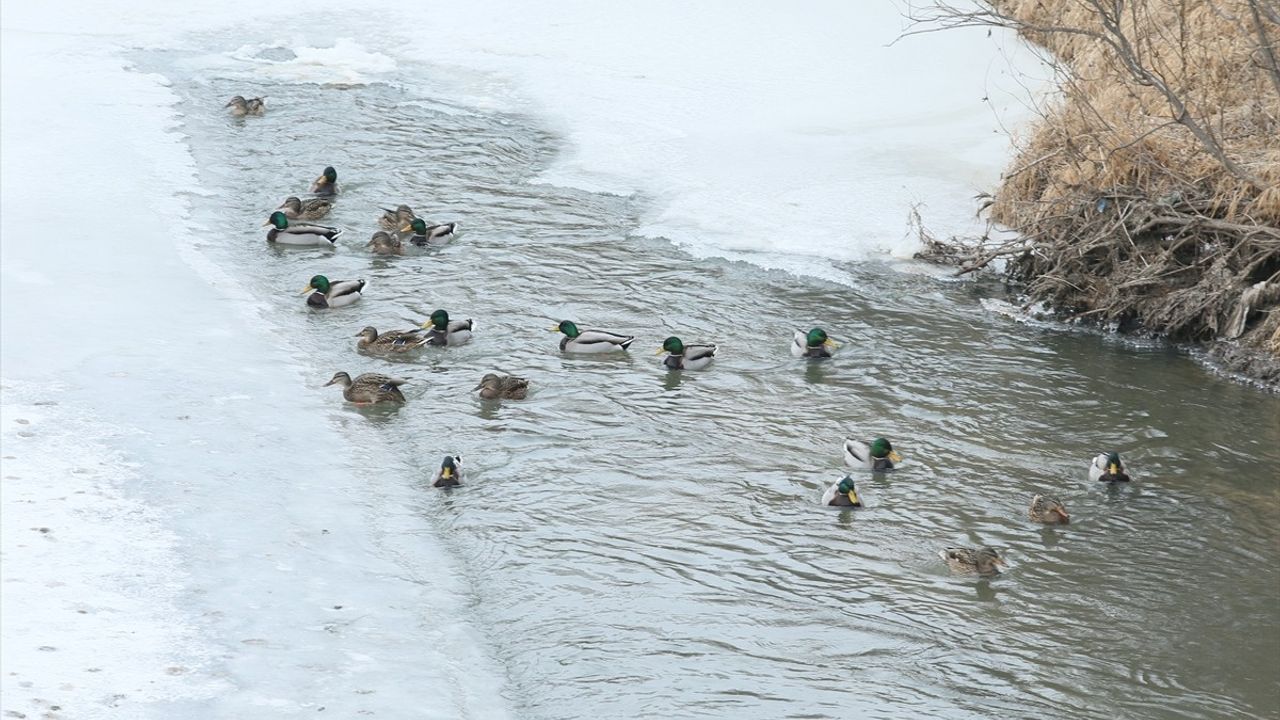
x,y
1149,195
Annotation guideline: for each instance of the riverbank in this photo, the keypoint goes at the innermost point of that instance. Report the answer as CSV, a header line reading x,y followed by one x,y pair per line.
x,y
1147,196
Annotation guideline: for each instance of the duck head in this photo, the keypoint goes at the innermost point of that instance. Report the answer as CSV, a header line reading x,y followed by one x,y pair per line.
x,y
490,380
568,327
319,283
339,378
449,466
1114,466
846,487
817,337
279,219
368,334
328,177
672,345
1049,510
417,225
987,561
439,320
881,451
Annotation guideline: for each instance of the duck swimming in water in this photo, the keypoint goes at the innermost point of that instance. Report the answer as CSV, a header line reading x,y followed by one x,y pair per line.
x,y
442,332
284,232
384,243
325,293
369,388
296,209
327,184
590,341
496,387
424,235
983,561
241,107
392,220
1048,510
391,342
450,472
813,344
686,357
879,456
842,493
1106,467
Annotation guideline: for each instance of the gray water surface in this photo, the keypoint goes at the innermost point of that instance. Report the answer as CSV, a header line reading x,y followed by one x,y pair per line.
x,y
645,544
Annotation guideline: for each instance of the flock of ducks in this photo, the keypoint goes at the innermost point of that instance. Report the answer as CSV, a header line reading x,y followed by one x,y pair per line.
x,y
292,223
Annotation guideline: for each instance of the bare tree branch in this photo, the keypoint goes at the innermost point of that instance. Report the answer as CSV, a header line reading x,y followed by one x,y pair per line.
x,y
945,16
1264,44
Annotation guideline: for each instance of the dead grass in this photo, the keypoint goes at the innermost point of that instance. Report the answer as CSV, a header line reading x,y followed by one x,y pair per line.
x,y
1127,213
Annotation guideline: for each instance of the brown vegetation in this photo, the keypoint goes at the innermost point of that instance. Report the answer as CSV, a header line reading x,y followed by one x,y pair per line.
x,y
1149,194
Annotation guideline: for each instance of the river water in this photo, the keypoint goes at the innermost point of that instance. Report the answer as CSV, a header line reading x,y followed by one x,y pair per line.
x,y
637,543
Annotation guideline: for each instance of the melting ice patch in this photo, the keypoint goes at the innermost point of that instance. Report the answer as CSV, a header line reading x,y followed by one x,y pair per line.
x,y
346,62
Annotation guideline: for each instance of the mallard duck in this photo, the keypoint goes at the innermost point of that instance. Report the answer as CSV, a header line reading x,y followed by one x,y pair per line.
x,y
330,294
369,388
450,472
983,561
327,184
241,107
390,342
1048,510
496,387
284,232
424,234
383,243
813,344
686,357
878,456
1108,468
590,341
396,219
842,493
441,332
296,209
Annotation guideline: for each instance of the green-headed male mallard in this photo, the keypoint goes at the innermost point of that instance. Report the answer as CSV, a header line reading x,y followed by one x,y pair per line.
x,y
384,243
283,232
425,235
842,493
296,208
686,357
393,220
442,332
326,293
389,343
450,472
327,184
877,457
590,341
1048,510
813,344
241,107
496,387
983,561
1107,468
369,388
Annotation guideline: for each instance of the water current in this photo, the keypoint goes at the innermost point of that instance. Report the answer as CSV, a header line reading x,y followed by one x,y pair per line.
x,y
638,543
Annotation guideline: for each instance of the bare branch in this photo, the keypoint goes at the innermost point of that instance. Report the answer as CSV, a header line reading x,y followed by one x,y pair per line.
x,y
1264,44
